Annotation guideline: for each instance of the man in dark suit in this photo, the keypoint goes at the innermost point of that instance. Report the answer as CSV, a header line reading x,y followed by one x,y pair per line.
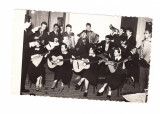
x,y
105,46
130,41
25,57
82,46
55,34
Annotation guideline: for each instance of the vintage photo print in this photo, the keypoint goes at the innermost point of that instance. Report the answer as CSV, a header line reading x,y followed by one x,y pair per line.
x,y
82,56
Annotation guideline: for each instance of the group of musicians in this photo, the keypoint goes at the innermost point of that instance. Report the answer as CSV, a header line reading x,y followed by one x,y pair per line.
x,y
116,57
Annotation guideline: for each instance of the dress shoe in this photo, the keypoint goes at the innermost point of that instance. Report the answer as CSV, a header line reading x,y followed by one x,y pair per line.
x,y
108,96
32,94
37,88
61,88
132,82
77,87
85,94
100,94
54,85
25,90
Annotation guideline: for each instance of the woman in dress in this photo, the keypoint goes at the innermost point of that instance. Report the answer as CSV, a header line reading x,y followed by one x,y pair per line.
x,y
89,76
114,80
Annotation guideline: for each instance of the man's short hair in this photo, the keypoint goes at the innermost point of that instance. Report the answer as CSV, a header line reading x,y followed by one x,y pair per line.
x,y
88,24
43,23
149,30
64,45
68,25
55,25
118,49
123,29
129,29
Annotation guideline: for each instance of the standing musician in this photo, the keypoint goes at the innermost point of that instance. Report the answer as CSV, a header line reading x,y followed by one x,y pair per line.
x,y
130,41
89,76
68,37
82,45
36,70
90,34
64,72
26,58
120,37
55,34
115,79
144,54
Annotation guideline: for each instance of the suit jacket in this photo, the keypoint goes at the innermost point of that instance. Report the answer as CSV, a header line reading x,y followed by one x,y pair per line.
x,y
82,48
27,35
102,45
52,35
131,42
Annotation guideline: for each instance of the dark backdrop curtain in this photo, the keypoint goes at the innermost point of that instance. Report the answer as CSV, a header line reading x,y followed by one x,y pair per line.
x,y
130,22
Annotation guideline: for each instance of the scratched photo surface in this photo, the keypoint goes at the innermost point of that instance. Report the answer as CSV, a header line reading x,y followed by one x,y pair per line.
x,y
82,56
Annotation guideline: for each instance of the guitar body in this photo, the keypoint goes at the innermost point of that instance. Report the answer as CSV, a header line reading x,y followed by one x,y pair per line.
x,y
79,65
55,61
112,68
37,60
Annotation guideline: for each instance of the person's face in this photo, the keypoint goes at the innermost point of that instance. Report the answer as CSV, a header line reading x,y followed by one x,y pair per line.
x,y
68,29
121,31
107,40
91,51
97,39
129,33
55,39
88,28
147,34
63,48
83,35
27,25
43,27
56,28
116,53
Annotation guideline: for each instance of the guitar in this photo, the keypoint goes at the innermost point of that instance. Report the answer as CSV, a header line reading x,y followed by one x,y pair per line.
x,y
79,65
57,60
113,65
36,59
51,45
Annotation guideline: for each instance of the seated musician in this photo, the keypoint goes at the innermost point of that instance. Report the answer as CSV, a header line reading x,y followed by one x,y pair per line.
x,y
105,46
64,72
89,76
36,70
115,79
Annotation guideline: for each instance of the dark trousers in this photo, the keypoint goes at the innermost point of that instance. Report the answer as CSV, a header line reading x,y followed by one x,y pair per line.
x,y
143,78
25,62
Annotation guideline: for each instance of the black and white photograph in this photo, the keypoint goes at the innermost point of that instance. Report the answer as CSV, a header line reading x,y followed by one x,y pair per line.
x,y
85,56
80,56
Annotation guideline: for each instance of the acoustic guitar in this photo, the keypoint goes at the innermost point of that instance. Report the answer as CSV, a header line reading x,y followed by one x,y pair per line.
x,y
57,61
112,65
79,65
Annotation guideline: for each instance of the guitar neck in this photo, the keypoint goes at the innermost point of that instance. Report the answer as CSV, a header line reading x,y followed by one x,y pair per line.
x,y
69,59
92,62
